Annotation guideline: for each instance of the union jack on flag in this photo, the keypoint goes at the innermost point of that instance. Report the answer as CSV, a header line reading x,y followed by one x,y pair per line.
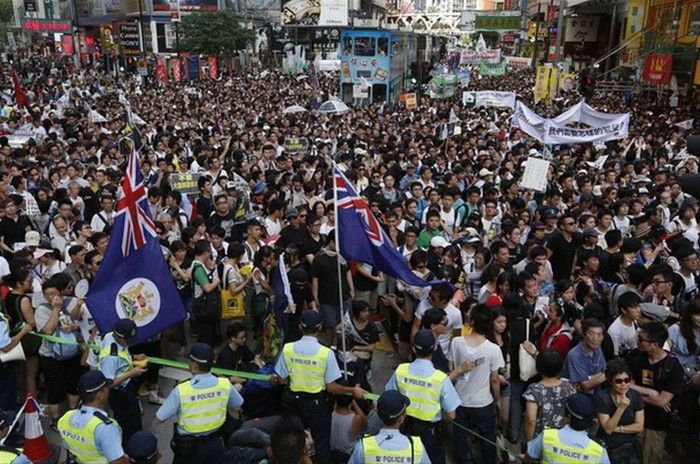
x,y
132,208
350,200
361,236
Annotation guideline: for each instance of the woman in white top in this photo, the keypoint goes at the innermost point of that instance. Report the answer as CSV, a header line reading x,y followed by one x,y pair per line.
x,y
231,275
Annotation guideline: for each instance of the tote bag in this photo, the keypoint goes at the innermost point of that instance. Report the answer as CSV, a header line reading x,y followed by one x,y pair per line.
x,y
526,361
231,305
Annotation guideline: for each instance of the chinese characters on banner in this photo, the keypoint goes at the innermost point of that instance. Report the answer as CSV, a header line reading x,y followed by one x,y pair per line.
x,y
161,70
657,68
542,83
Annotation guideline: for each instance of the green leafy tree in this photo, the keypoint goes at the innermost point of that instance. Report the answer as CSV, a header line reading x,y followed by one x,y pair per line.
x,y
217,33
7,18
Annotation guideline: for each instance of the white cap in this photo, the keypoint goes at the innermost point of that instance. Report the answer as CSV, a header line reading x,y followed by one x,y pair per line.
x,y
439,241
484,172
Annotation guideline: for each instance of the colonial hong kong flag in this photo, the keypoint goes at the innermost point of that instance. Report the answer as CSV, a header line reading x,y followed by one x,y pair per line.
x,y
134,280
362,237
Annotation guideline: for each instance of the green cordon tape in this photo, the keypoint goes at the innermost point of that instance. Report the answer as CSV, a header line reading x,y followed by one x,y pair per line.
x,y
245,375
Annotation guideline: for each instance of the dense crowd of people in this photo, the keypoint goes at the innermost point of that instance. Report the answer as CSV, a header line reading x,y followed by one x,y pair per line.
x,y
575,308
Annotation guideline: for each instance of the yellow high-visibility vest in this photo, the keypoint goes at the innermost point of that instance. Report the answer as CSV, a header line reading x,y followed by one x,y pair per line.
x,y
203,410
424,392
122,352
8,454
555,452
81,442
306,373
373,453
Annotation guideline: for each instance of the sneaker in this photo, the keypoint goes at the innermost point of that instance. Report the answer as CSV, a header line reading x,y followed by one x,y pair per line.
x,y
155,398
143,390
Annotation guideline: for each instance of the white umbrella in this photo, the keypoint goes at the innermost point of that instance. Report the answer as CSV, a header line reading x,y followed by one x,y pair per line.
x,y
333,106
294,109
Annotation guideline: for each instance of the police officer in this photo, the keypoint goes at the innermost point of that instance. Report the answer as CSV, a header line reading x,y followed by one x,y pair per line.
x,y
570,444
201,404
8,454
312,370
389,445
433,397
117,365
142,448
87,433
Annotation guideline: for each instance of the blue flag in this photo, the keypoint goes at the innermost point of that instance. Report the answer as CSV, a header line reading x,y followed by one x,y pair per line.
x,y
363,239
134,280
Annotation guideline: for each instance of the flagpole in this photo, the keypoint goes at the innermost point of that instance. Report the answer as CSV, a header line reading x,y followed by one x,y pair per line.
x,y
340,272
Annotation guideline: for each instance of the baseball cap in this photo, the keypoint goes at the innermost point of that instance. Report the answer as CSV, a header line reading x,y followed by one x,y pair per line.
x,y
125,328
424,341
392,404
654,311
590,232
291,213
439,241
484,172
230,185
32,238
580,406
259,187
549,213
142,445
92,381
537,225
41,252
201,353
311,318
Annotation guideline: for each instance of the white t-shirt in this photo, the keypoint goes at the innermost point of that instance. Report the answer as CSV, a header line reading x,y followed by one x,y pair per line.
x,y
474,387
454,322
623,337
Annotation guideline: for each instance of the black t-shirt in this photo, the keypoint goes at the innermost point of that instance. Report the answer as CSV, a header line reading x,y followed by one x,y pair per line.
x,y
12,231
604,404
225,222
311,246
563,254
325,269
289,235
235,360
364,284
665,375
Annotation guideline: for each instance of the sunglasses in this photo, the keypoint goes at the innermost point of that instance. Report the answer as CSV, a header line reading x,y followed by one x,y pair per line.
x,y
621,381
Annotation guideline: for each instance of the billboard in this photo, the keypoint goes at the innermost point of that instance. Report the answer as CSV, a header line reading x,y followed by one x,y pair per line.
x,y
314,13
185,5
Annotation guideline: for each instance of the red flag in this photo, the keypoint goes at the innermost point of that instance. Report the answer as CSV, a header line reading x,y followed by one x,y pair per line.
x,y
657,68
161,70
20,96
213,67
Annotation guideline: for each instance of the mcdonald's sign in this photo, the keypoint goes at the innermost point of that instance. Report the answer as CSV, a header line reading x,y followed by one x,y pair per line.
x,y
657,68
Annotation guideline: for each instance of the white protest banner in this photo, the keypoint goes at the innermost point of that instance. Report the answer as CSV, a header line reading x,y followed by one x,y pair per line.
x,y
535,176
603,126
612,130
686,125
474,57
489,98
96,117
518,62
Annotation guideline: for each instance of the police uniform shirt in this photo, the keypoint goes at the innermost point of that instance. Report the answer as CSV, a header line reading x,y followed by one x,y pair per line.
x,y
309,346
171,406
387,439
20,459
568,437
108,437
113,366
449,399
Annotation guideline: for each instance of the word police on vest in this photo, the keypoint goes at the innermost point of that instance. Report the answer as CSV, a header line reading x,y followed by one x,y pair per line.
x,y
391,405
202,353
92,381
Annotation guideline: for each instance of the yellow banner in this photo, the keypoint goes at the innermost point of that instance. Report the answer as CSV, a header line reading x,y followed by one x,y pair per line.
x,y
635,23
542,83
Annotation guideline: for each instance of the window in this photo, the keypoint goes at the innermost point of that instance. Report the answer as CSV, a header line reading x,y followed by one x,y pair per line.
x,y
364,46
383,46
694,21
347,46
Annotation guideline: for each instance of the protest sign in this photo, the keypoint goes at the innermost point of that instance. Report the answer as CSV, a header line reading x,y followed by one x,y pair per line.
x,y
492,69
488,98
296,144
535,176
185,183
